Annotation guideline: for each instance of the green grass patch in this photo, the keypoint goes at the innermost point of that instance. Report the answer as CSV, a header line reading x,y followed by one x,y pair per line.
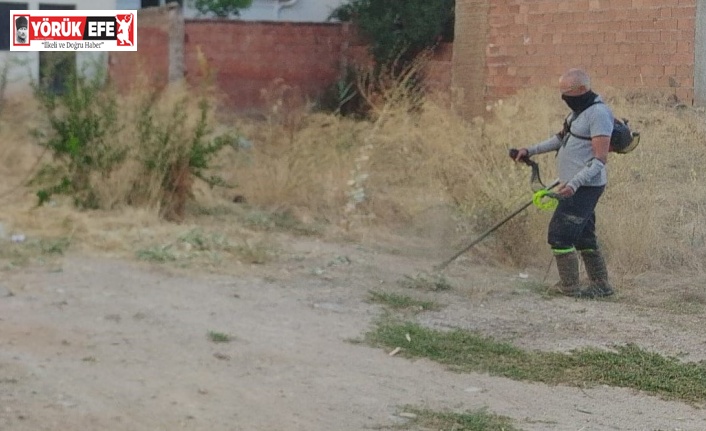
x,y
401,302
478,420
219,337
627,366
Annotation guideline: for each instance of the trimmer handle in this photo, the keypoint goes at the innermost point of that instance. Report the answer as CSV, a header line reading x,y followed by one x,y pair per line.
x,y
525,159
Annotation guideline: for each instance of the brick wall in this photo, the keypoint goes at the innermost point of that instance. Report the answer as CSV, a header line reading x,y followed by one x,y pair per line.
x,y
501,47
438,72
245,57
623,43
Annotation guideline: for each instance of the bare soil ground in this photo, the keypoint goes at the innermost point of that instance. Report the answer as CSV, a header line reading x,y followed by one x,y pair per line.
x,y
114,344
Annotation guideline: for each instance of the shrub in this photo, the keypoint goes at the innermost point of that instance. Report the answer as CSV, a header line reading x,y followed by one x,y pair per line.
x,y
399,30
83,123
142,150
173,150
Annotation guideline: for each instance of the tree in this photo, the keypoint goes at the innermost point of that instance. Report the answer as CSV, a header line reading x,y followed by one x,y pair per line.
x,y
220,8
399,30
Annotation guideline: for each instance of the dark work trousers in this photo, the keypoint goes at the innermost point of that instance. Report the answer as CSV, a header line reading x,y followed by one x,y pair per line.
x,y
574,221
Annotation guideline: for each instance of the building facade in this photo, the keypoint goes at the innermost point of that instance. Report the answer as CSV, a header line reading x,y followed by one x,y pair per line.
x,y
261,10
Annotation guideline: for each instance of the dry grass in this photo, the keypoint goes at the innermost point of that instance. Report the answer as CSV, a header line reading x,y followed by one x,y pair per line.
x,y
386,172
649,218
653,209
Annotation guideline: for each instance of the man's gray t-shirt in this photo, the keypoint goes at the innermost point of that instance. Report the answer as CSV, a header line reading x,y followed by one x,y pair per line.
x,y
596,120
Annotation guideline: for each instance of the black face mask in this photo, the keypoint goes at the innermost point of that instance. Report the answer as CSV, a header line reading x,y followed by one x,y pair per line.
x,y
579,103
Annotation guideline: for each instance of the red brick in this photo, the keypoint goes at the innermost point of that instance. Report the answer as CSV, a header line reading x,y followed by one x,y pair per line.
x,y
686,35
685,24
684,12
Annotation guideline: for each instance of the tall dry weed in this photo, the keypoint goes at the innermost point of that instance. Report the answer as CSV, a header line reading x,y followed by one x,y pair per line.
x,y
416,154
306,172
653,210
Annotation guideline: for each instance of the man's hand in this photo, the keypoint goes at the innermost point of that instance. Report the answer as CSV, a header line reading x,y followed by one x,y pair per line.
x,y
564,191
521,153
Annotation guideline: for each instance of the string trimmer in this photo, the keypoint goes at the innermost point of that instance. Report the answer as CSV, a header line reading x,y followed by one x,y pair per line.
x,y
542,198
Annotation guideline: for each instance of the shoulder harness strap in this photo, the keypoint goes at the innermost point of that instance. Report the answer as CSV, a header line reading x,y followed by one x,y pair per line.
x,y
574,116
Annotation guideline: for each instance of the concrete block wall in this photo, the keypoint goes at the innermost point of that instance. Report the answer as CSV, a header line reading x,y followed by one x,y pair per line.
x,y
636,44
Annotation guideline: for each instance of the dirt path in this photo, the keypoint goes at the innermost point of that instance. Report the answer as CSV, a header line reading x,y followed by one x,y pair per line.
x,y
107,344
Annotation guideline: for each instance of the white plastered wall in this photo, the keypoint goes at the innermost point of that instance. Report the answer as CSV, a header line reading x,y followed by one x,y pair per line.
x,y
700,54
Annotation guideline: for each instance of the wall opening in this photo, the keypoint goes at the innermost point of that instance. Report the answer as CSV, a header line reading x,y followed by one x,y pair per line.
x,y
5,30
56,67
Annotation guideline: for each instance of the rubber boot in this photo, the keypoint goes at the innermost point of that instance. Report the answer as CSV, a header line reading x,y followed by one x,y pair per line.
x,y
568,266
597,274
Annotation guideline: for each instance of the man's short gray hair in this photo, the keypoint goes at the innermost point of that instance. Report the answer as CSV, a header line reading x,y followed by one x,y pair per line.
x,y
578,77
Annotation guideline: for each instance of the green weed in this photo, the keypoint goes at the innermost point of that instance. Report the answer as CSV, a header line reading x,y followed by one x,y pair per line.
x,y
219,337
478,420
626,366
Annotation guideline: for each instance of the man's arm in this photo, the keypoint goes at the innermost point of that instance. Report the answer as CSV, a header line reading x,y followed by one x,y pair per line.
x,y
551,144
600,146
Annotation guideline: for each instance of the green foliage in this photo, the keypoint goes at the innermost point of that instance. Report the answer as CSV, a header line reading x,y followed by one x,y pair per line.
x,y
399,30
83,122
173,150
159,143
220,8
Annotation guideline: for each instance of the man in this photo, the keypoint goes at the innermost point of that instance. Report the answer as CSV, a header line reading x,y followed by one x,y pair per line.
x,y
21,25
582,147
